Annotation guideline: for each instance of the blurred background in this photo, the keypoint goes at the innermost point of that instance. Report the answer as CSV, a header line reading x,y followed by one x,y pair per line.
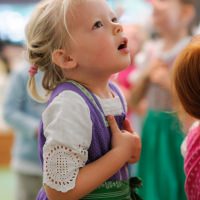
x,y
13,18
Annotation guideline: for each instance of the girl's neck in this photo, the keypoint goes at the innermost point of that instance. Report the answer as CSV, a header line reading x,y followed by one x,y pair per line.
x,y
97,84
98,87
132,60
170,40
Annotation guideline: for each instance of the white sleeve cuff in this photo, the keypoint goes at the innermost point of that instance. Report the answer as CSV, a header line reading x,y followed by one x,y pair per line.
x,y
61,166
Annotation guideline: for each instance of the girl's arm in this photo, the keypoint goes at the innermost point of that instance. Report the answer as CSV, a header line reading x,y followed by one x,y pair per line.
x,y
94,174
161,77
156,72
14,112
91,176
139,90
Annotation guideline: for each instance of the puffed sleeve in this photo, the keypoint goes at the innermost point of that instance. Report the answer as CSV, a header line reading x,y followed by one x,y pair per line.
x,y
68,130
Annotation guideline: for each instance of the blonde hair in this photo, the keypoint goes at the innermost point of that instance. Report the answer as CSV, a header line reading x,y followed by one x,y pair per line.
x,y
47,31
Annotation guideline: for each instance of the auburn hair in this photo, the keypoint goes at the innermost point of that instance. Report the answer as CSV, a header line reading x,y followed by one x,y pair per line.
x,y
186,78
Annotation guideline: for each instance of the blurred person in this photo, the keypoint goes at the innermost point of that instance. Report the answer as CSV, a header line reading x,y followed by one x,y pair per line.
x,y
4,65
161,163
186,81
23,114
4,78
13,54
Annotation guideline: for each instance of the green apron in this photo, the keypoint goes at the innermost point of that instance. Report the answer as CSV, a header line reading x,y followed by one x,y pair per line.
x,y
111,190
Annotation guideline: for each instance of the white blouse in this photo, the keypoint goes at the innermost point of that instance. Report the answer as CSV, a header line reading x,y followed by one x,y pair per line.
x,y
68,130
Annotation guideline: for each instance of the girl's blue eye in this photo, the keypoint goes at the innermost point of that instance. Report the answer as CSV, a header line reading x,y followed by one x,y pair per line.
x,y
114,19
97,24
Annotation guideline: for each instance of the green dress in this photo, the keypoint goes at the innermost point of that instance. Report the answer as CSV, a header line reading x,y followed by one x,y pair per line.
x,y
161,163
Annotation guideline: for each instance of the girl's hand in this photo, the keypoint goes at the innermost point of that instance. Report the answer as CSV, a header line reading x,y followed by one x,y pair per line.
x,y
152,66
127,126
161,77
127,140
159,74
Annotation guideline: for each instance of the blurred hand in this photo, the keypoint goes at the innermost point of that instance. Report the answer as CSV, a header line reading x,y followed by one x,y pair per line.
x,y
161,77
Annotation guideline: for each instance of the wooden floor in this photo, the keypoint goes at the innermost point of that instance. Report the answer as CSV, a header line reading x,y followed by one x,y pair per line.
x,y
6,141
7,180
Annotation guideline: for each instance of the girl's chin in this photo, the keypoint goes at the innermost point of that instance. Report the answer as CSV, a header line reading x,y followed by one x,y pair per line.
x,y
123,67
127,62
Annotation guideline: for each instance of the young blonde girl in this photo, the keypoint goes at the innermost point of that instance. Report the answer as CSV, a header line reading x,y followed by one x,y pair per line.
x,y
79,44
186,80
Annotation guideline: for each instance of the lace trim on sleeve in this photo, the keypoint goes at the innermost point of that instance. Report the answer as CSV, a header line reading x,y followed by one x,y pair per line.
x,y
61,166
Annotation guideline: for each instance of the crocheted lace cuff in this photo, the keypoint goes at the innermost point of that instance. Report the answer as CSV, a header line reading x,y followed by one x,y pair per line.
x,y
61,166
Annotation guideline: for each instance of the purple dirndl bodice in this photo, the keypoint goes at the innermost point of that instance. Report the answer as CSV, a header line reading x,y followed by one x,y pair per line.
x,y
101,135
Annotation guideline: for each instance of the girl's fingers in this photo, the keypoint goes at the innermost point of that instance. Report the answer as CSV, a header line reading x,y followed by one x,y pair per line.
x,y
113,124
127,126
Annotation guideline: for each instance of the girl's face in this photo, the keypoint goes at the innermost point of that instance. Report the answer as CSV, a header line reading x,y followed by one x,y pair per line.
x,y
99,47
167,15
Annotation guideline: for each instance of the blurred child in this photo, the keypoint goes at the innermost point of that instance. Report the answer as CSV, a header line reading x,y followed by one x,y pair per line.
x,y
79,45
23,115
186,83
4,77
161,164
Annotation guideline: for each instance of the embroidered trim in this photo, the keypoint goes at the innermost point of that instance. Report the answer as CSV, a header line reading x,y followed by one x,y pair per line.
x,y
116,190
112,184
61,166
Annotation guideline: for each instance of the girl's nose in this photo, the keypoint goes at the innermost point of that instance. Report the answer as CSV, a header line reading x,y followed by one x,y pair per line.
x,y
117,29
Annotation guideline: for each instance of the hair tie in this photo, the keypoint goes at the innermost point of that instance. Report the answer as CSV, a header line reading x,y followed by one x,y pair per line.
x,y
33,70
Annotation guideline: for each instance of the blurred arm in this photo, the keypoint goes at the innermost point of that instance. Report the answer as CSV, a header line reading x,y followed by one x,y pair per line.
x,y
14,112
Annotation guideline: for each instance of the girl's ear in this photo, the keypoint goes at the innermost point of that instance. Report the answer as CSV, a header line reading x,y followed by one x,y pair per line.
x,y
188,14
63,60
